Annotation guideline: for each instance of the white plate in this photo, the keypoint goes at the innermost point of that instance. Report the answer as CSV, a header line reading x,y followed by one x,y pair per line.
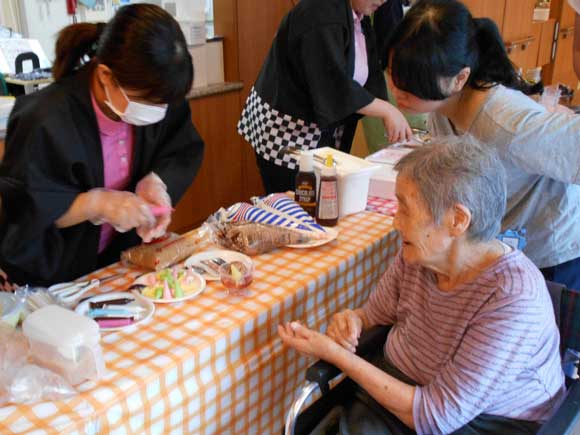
x,y
224,254
139,301
145,280
331,234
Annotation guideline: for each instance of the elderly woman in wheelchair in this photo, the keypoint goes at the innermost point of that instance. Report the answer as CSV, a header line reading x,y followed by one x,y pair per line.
x,y
474,347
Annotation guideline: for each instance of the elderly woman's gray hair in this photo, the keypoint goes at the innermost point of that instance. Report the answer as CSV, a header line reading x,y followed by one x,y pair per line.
x,y
452,171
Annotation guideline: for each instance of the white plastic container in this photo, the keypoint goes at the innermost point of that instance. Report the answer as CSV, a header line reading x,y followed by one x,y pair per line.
x,y
353,176
383,181
66,343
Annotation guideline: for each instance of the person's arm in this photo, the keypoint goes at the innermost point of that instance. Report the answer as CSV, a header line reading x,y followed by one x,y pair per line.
x,y
123,210
535,140
392,394
346,326
334,94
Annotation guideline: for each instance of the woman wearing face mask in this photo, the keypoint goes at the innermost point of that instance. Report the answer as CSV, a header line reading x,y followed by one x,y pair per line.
x,y
446,63
97,158
321,74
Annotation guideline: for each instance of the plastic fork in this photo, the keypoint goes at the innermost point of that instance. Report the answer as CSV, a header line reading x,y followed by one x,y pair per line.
x,y
69,292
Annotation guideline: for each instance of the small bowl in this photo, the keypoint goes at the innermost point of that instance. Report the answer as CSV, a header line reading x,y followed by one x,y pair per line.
x,y
236,276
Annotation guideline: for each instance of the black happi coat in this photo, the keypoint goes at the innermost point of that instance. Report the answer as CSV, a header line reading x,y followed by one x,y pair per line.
x,y
308,73
53,153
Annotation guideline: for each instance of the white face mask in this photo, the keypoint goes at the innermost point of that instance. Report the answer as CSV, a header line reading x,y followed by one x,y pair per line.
x,y
138,114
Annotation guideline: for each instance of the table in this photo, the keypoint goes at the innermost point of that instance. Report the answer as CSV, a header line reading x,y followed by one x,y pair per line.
x,y
385,206
215,365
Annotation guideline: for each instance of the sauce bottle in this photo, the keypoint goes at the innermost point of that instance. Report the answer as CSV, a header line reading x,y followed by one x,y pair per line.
x,y
327,210
305,191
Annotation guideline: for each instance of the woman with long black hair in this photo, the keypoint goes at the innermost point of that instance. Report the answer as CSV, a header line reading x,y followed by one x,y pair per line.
x,y
97,158
444,62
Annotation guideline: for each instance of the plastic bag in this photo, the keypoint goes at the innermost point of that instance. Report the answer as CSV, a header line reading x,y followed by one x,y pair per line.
x,y
163,253
21,382
253,238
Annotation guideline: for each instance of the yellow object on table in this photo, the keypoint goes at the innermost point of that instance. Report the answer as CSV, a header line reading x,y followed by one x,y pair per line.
x,y
215,364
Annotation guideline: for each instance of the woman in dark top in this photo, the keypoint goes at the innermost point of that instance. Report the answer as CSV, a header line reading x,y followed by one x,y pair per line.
x,y
91,156
321,74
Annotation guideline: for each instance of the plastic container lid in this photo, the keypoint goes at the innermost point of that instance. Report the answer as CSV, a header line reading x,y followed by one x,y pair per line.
x,y
306,161
61,328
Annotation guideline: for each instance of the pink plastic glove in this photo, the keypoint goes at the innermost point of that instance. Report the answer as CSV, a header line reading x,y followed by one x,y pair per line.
x,y
123,210
153,190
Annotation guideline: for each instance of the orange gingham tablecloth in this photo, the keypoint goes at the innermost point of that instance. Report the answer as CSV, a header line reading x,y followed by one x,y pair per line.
x,y
215,364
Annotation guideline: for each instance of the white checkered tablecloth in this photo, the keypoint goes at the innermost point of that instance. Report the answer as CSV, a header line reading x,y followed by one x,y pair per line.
x,y
215,364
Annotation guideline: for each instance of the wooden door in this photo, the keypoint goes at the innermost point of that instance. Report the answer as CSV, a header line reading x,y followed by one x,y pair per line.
x,y
546,42
518,16
563,71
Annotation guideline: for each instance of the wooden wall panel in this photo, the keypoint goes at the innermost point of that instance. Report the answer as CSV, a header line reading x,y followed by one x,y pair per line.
x,y
493,9
219,181
226,25
258,21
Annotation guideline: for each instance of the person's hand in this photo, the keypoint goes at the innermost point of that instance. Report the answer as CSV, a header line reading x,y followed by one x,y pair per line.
x,y
398,129
307,341
5,284
345,328
123,210
153,190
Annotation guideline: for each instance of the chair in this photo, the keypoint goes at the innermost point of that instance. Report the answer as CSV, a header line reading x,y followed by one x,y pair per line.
x,y
565,421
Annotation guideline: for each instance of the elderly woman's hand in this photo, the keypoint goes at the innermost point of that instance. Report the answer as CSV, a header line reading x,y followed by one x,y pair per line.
x,y
307,341
345,328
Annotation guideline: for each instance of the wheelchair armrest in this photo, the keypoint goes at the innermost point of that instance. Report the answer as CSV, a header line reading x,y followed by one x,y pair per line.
x,y
322,372
567,417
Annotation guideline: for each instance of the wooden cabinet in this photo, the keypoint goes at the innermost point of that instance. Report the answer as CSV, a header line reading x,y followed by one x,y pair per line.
x,y
517,23
546,41
561,70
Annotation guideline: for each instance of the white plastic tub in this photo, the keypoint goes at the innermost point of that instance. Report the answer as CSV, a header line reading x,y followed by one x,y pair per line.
x,y
383,181
66,343
353,176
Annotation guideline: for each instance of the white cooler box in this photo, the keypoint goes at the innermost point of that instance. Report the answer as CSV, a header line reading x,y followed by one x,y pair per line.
x,y
353,176
382,183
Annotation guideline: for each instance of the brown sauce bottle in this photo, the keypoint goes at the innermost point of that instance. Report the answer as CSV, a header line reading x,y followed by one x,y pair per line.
x,y
305,189
327,204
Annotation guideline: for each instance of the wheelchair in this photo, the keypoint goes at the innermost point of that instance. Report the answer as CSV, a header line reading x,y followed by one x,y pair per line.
x,y
565,421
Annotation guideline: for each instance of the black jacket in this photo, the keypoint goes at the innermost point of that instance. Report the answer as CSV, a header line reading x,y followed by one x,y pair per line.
x,y
308,71
53,153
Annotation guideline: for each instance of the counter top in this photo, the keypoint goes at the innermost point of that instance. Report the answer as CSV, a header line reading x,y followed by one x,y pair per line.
x,y
218,88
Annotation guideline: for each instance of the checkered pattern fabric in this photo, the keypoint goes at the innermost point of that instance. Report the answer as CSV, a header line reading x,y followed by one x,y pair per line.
x,y
215,364
384,206
269,131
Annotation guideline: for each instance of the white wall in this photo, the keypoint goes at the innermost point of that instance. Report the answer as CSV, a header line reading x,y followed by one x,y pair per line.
x,y
42,20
